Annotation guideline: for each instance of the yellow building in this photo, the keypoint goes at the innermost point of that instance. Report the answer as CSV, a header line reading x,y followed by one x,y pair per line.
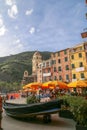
x,y
78,58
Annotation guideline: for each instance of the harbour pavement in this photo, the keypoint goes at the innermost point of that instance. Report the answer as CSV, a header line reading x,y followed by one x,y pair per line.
x,y
57,123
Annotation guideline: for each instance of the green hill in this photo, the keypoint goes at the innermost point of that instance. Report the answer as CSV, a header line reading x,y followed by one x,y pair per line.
x,y
12,67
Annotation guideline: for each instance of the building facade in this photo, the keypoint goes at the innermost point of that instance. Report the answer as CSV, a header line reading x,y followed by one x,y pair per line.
x,y
78,59
61,66
27,78
66,65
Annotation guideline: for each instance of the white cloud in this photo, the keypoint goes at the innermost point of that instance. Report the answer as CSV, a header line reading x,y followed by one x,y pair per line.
x,y
29,12
19,46
2,30
10,2
13,11
14,48
2,27
16,27
12,45
18,41
1,22
32,30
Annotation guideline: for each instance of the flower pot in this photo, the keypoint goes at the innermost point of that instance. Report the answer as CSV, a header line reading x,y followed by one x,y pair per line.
x,y
66,114
79,127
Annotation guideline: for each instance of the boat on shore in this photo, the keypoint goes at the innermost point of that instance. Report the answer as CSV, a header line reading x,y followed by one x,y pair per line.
x,y
31,110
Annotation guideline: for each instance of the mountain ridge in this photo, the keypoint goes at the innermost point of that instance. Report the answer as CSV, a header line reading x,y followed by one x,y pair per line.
x,y
12,67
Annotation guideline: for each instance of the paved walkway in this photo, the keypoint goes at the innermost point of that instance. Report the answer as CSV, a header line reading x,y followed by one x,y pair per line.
x,y
19,101
57,123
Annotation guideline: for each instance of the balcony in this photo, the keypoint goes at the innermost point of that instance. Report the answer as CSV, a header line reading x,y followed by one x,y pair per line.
x,y
46,74
80,69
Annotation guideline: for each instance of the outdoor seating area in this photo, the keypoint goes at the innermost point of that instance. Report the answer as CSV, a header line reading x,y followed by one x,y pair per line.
x,y
53,89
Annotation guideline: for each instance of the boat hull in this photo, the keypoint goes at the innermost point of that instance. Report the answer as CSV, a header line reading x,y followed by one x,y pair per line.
x,y
30,110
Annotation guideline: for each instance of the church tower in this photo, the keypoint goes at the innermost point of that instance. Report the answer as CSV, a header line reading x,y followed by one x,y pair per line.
x,y
37,58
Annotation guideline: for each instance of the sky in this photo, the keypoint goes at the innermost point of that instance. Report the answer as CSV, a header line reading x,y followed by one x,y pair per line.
x,y
42,25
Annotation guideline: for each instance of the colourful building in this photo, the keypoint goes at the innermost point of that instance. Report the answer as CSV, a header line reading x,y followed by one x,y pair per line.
x,y
45,71
78,59
65,65
61,66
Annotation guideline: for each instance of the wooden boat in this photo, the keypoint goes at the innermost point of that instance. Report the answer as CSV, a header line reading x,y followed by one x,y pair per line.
x,y
31,110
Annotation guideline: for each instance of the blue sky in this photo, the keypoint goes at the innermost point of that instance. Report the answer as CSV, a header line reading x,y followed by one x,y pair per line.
x,y
43,25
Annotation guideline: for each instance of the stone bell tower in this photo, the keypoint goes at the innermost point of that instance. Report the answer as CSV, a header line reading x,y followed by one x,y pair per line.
x,y
37,58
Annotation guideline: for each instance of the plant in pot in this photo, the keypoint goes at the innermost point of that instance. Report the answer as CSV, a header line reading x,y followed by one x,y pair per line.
x,y
78,107
65,108
81,117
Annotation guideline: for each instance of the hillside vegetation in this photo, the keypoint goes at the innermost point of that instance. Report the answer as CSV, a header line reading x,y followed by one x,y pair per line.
x,y
12,67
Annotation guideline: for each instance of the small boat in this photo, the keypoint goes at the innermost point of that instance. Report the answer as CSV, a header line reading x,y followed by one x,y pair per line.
x,y
31,110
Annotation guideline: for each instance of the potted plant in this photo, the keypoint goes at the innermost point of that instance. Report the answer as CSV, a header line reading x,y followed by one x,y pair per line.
x,y
81,116
78,106
65,108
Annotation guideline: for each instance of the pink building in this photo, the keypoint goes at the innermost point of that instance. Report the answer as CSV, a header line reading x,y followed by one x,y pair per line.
x,y
61,66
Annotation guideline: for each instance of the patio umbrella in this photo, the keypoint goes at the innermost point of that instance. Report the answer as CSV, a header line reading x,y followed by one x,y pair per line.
x,y
79,83
59,84
33,85
53,84
46,84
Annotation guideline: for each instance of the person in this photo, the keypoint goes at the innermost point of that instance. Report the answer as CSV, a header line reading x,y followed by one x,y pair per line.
x,y
1,112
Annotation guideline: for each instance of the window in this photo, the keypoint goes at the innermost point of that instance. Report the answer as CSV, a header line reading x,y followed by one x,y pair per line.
x,y
53,61
73,66
74,76
43,64
80,55
54,69
81,64
72,57
67,67
55,78
66,59
67,77
60,77
80,48
82,75
59,61
48,69
59,68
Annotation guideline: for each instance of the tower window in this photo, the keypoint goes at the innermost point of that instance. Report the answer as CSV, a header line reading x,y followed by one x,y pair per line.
x,y
80,55
72,57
